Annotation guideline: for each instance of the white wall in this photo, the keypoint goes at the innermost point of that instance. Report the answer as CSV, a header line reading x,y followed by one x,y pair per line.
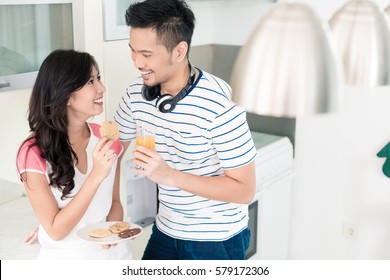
x,y
225,18
339,184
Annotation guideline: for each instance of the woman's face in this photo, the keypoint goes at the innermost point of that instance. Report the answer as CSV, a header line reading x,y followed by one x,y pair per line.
x,y
87,101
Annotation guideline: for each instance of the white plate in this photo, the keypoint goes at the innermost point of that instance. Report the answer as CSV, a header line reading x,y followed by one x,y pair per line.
x,y
112,239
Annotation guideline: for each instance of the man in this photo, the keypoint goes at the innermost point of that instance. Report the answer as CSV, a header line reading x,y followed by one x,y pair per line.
x,y
204,158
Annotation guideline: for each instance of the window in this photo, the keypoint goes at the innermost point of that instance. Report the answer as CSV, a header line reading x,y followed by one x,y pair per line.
x,y
28,33
115,27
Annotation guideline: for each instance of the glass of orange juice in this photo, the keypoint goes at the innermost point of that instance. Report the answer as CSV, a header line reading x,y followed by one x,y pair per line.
x,y
145,137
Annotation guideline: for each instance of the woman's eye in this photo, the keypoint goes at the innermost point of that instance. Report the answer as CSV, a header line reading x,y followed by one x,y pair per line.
x,y
99,78
90,82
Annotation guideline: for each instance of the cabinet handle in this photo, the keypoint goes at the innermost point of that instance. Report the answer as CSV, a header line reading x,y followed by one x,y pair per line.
x,y
4,85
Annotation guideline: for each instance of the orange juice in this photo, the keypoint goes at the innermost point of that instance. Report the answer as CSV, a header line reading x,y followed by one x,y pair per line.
x,y
146,141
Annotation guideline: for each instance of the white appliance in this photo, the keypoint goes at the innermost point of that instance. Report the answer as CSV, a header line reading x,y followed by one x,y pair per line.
x,y
141,197
269,212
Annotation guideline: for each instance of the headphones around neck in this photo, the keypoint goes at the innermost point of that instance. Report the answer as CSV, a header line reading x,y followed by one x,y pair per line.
x,y
166,103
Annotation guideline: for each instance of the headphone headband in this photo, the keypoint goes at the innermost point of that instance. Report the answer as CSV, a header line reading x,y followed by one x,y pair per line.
x,y
183,92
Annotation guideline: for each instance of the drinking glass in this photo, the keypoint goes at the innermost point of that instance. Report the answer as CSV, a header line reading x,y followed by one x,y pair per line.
x,y
145,137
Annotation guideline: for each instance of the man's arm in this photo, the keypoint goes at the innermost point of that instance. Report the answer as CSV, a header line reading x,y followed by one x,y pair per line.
x,y
237,185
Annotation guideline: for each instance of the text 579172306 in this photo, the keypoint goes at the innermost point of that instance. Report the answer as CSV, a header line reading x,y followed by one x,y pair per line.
x,y
241,270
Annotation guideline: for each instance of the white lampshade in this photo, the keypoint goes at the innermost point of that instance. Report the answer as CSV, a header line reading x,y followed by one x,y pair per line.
x,y
288,67
362,34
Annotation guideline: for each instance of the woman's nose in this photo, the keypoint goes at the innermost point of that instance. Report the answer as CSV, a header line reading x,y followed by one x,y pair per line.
x,y
101,87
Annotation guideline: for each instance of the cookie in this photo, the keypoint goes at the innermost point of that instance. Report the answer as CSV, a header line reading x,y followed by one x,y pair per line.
x,y
129,232
100,233
118,227
110,130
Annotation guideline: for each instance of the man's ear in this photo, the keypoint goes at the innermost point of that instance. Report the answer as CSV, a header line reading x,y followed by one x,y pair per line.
x,y
181,51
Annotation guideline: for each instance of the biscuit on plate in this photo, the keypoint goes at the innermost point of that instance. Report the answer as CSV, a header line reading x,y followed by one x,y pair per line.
x,y
100,233
118,227
129,232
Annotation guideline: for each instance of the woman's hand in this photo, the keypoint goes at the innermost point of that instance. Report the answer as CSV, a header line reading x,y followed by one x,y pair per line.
x,y
108,246
31,237
103,158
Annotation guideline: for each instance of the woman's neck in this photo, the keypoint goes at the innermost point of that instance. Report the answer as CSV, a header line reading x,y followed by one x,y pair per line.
x,y
78,133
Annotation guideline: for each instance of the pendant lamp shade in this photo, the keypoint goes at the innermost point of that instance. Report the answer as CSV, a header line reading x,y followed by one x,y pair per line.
x,y
289,66
362,35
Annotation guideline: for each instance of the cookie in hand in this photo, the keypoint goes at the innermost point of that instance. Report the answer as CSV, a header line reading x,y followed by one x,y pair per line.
x,y
110,130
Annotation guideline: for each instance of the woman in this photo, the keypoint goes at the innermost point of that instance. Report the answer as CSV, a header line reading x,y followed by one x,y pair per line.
x,y
67,168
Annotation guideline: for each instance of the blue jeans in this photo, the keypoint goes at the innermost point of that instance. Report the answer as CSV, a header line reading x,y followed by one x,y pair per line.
x,y
163,247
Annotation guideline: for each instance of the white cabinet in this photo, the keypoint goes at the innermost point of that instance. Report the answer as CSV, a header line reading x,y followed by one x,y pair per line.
x,y
274,175
274,220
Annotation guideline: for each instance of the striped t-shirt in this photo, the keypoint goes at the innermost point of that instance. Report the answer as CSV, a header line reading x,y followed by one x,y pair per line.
x,y
204,135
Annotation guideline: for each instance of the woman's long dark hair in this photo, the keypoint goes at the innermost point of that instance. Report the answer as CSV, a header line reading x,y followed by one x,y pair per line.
x,y
61,73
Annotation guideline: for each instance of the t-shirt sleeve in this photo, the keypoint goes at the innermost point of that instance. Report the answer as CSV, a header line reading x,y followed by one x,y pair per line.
x,y
29,159
118,148
232,138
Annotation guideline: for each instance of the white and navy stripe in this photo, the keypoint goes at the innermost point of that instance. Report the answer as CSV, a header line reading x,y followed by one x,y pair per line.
x,y
205,135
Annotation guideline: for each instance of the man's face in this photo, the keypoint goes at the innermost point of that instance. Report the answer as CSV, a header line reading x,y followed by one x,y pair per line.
x,y
152,59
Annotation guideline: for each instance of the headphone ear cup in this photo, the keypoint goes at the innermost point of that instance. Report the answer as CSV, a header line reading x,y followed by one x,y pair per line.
x,y
150,93
166,103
